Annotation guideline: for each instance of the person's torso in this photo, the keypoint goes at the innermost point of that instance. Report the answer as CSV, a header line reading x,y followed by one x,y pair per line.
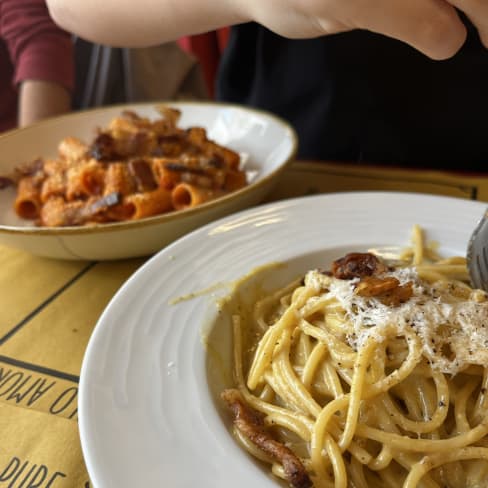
x,y
360,96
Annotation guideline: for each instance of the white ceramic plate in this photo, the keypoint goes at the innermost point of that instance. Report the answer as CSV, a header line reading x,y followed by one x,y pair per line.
x,y
266,143
148,406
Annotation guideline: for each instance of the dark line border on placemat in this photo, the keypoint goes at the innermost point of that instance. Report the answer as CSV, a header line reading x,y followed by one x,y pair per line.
x,y
39,369
45,303
470,190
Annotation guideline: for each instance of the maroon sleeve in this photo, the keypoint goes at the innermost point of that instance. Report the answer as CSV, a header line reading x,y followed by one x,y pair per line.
x,y
38,48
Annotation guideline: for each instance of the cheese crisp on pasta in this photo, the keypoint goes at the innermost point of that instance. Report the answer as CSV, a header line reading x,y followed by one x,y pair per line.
x,y
134,168
371,374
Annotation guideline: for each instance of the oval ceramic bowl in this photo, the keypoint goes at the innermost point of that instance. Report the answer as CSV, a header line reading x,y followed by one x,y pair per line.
x,y
266,144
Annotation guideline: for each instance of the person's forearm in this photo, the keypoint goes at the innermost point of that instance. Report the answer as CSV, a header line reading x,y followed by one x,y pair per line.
x,y
41,99
431,26
130,23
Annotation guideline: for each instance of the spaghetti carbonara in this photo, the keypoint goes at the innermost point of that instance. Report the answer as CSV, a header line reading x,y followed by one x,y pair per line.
x,y
372,374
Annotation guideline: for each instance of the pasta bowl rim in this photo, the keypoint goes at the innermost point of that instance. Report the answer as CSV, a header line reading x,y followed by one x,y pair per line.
x,y
165,217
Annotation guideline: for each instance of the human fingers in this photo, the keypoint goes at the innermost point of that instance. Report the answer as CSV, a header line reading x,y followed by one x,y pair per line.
x,y
431,26
477,11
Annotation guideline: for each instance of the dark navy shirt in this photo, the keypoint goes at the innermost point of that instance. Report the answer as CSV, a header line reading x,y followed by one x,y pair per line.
x,y
360,96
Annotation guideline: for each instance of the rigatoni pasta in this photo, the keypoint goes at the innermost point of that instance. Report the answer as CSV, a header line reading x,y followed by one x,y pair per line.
x,y
134,168
186,195
28,201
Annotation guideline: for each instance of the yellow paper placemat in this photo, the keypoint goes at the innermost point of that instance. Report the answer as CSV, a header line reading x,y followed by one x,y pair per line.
x,y
39,450
48,309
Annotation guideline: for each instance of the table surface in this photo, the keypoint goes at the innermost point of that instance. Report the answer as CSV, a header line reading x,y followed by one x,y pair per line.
x,y
48,309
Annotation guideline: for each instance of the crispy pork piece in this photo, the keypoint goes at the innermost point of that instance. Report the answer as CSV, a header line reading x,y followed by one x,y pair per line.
x,y
388,290
250,423
357,265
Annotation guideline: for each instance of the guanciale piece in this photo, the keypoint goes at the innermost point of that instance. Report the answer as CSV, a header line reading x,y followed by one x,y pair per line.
x,y
357,265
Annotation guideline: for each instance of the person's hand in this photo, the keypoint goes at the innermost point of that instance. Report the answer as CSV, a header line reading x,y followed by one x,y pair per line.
x,y
431,26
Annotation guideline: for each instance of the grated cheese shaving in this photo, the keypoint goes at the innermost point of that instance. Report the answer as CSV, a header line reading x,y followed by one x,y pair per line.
x,y
453,331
